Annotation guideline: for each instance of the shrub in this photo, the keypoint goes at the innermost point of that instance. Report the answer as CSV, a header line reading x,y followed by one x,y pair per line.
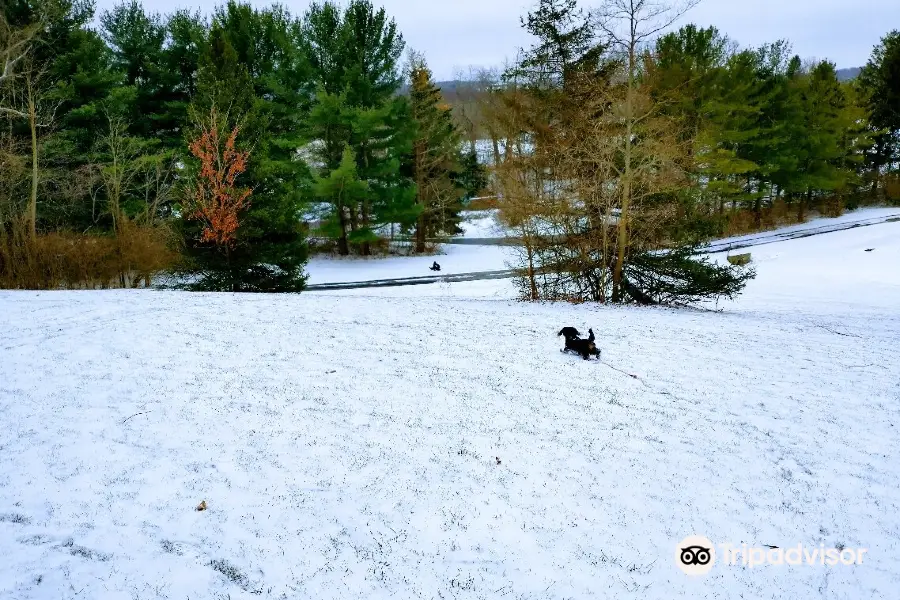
x,y
67,260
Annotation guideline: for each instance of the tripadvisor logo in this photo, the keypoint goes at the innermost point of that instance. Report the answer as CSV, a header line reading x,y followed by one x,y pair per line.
x,y
696,555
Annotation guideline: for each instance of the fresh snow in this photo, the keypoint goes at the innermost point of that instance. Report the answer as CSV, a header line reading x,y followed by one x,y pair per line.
x,y
347,443
452,258
456,259
481,224
861,214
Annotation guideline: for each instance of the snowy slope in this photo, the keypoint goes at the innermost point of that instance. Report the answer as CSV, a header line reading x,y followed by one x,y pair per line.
x,y
828,273
483,225
452,258
347,443
862,214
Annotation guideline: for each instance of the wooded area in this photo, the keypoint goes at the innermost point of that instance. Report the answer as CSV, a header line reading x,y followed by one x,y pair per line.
x,y
620,149
196,145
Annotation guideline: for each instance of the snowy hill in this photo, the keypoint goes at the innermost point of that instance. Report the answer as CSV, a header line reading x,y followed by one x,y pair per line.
x,y
432,442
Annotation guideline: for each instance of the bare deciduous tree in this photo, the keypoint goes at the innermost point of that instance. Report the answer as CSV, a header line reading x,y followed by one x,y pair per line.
x,y
14,46
628,25
29,97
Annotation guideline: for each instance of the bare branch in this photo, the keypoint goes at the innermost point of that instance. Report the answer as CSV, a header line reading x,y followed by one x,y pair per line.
x,y
14,46
630,23
11,111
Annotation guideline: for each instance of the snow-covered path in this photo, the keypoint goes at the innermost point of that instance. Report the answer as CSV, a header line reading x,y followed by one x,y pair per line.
x,y
372,445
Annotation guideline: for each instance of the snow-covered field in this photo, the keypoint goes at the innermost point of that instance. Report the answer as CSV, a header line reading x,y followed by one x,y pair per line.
x,y
452,258
431,442
483,225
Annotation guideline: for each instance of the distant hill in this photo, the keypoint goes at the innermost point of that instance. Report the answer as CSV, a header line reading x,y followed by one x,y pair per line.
x,y
448,88
848,74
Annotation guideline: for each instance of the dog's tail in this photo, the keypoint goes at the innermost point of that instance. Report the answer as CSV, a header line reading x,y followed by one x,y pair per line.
x,y
591,336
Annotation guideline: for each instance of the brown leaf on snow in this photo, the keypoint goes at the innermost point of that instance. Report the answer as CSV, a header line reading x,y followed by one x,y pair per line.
x,y
202,505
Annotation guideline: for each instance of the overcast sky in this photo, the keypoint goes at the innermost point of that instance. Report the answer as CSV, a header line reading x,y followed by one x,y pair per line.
x,y
454,34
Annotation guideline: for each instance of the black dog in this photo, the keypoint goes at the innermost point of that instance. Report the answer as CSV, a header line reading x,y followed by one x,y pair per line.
x,y
569,332
435,267
586,348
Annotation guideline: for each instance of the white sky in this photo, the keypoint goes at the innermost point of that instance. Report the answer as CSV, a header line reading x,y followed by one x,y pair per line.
x,y
458,33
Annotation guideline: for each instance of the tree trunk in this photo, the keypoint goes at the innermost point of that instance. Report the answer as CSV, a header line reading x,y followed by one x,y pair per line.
x,y
419,165
496,145
343,246
366,247
32,203
420,233
531,280
622,236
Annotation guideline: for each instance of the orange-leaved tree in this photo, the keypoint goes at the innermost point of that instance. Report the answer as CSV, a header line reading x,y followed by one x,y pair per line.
x,y
215,198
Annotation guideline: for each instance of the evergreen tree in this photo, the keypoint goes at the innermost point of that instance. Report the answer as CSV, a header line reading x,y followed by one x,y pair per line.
x,y
342,188
371,54
708,92
186,35
283,90
566,42
136,40
472,176
353,55
434,163
382,136
880,85
330,126
269,248
821,147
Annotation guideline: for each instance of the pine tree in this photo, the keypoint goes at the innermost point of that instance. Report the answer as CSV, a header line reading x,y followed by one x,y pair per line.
x,y
269,247
434,163
381,138
186,35
330,126
472,176
707,93
822,145
344,190
353,55
136,40
880,85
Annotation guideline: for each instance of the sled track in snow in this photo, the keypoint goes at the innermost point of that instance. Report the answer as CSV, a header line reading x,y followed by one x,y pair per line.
x,y
761,239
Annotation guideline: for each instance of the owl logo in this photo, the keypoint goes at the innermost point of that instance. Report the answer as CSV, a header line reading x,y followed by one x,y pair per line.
x,y
695,555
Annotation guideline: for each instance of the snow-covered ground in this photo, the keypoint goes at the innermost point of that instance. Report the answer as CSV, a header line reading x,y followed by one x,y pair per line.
x,y
483,225
861,214
452,258
431,442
